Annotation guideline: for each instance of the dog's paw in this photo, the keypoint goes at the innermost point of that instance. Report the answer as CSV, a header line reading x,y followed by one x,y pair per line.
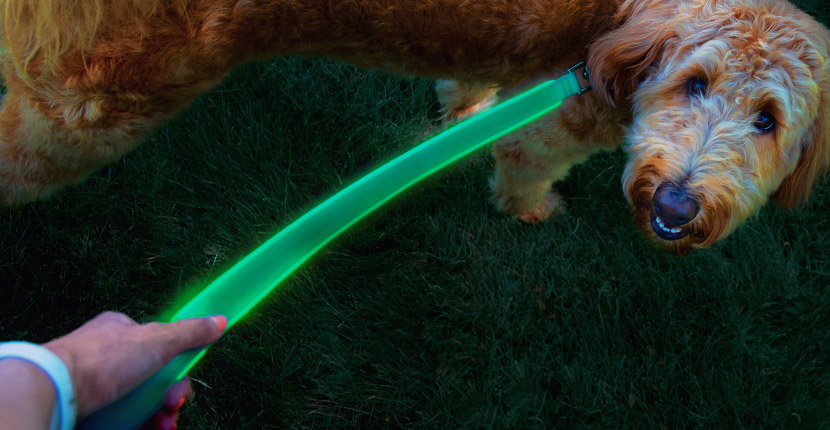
x,y
517,204
460,100
462,114
552,205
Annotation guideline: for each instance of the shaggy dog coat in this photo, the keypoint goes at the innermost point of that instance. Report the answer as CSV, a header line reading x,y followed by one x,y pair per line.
x,y
722,104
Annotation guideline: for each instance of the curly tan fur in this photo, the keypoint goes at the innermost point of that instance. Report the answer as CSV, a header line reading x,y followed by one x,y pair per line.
x,y
89,79
754,56
83,93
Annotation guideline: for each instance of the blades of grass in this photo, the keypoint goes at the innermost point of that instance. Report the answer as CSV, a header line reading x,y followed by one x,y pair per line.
x,y
237,291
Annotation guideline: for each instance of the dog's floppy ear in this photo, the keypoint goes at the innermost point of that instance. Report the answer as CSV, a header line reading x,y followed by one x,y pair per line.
x,y
814,160
619,60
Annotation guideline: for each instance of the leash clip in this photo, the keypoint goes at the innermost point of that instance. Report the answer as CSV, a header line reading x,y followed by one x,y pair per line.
x,y
584,67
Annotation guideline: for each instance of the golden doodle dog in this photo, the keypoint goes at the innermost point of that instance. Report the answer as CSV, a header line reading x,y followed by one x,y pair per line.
x,y
722,105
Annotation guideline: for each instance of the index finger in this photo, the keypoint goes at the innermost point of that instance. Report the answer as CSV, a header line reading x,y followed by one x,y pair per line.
x,y
170,339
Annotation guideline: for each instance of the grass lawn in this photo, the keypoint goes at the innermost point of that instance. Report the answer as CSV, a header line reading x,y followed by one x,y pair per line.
x,y
436,312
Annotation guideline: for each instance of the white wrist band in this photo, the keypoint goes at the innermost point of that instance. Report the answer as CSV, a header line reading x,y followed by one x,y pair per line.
x,y
63,416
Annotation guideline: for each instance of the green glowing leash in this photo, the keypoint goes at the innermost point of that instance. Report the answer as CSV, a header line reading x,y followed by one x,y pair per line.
x,y
238,290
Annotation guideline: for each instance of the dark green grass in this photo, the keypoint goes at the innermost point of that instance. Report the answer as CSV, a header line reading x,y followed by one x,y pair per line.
x,y
437,312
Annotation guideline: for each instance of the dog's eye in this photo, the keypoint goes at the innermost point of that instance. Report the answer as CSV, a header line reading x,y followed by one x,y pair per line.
x,y
696,87
765,122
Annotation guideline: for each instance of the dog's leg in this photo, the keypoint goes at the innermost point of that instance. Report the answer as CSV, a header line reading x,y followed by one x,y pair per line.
x,y
460,100
530,160
525,170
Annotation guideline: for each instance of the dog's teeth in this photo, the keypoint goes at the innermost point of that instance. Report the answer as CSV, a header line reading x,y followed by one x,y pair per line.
x,y
662,226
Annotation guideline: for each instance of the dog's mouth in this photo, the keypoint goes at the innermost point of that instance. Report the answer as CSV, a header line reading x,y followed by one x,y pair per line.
x,y
667,231
672,210
676,215
678,232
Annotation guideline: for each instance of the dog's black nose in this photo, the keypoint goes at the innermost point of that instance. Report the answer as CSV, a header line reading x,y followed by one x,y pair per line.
x,y
673,205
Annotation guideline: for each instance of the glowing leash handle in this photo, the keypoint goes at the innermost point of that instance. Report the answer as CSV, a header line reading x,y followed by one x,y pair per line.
x,y
238,290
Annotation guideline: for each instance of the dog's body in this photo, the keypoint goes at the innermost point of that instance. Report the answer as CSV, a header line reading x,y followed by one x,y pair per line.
x,y
697,81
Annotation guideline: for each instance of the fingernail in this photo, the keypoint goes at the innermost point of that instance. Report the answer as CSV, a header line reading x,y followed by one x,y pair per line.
x,y
174,407
221,321
179,404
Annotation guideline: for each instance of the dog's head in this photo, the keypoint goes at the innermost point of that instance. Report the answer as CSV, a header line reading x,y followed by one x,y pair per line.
x,y
731,103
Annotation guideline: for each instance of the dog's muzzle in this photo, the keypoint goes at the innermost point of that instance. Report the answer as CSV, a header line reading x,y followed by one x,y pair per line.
x,y
671,212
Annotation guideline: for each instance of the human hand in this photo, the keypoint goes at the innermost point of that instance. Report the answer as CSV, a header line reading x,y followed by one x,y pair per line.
x,y
111,354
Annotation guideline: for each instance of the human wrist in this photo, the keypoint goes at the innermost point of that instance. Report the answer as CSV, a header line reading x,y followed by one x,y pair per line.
x,y
77,370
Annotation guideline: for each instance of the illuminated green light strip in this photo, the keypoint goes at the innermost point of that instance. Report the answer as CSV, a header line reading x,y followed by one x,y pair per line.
x,y
238,290
245,284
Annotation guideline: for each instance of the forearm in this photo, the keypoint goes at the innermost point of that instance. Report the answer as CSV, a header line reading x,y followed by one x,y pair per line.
x,y
27,396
